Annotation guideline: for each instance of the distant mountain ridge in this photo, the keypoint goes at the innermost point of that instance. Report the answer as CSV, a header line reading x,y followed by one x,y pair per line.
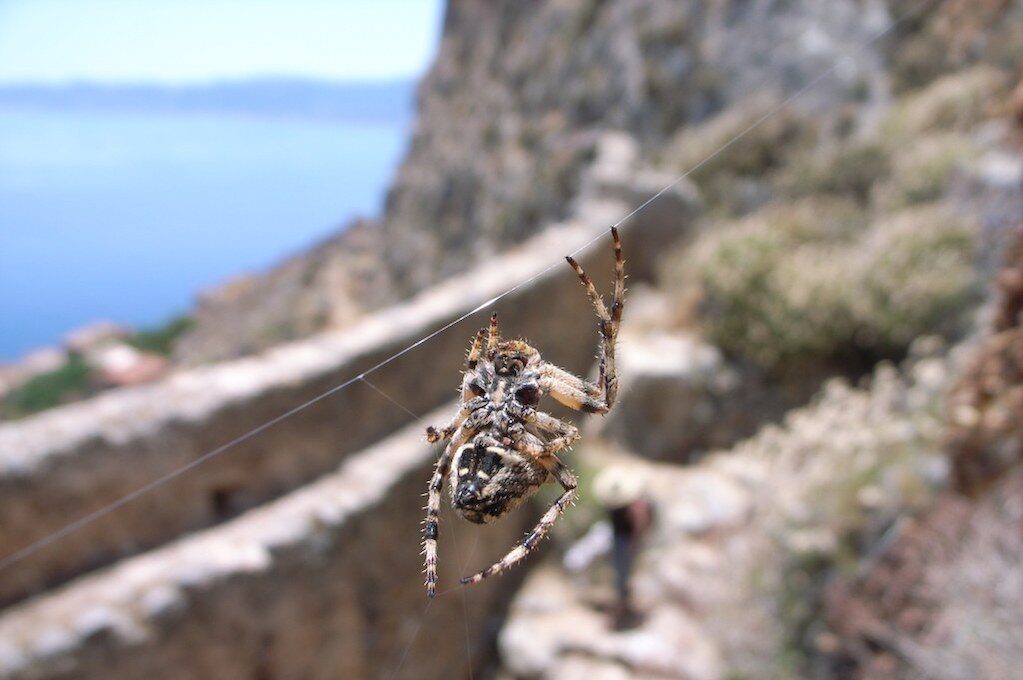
x,y
289,97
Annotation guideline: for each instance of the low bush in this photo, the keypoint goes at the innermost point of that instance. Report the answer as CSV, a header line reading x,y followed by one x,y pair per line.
x,y
161,339
807,284
63,384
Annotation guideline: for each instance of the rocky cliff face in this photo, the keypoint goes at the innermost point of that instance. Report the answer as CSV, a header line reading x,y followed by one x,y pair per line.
x,y
509,111
509,116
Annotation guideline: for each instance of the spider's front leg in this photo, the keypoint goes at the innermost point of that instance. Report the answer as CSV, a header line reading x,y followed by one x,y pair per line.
x,y
571,390
575,392
533,446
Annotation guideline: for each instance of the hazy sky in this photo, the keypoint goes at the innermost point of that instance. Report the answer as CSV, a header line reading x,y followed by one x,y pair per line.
x,y
200,40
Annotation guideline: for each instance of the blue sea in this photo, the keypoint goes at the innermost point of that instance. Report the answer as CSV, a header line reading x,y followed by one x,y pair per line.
x,y
126,216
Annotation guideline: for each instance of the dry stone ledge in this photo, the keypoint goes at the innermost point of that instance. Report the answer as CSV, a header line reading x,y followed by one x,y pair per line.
x,y
63,464
681,398
324,582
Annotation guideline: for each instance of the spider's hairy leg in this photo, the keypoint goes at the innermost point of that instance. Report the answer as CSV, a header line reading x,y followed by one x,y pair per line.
x,y
476,419
618,299
552,373
473,357
431,528
433,435
609,324
608,377
570,390
568,483
495,335
565,433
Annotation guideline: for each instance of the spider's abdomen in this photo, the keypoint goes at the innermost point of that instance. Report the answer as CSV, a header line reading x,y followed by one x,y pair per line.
x,y
488,481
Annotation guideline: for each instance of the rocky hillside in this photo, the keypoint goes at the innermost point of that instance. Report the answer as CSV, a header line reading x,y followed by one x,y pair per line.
x,y
510,112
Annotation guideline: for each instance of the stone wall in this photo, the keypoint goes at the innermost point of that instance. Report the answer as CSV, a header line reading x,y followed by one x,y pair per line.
x,y
324,582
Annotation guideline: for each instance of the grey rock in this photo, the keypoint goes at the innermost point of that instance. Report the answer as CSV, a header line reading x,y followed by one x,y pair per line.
x,y
680,398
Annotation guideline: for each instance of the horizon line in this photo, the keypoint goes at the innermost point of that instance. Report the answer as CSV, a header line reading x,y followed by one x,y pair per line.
x,y
186,84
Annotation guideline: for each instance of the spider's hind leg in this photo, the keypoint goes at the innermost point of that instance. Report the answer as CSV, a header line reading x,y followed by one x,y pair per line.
x,y
470,425
431,528
518,553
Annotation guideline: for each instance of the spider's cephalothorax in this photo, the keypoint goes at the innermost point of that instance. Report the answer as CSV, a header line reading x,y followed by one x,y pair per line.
x,y
501,448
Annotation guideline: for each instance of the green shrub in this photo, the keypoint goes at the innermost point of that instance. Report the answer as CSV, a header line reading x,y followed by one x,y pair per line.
x,y
805,284
50,389
921,171
733,147
921,57
849,169
762,147
955,102
917,276
954,36
161,339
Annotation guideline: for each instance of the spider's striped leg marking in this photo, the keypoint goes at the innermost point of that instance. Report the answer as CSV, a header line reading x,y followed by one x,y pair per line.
x,y
567,389
477,419
519,552
432,529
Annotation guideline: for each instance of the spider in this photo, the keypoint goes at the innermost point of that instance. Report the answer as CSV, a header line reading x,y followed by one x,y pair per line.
x,y
498,452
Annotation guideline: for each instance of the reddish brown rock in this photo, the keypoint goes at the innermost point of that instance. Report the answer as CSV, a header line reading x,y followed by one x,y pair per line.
x,y
986,407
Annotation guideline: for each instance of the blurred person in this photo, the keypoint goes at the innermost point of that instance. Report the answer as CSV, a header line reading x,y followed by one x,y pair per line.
x,y
620,492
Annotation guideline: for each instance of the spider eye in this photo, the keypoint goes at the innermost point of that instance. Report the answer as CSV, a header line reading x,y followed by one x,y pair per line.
x,y
528,395
476,388
509,365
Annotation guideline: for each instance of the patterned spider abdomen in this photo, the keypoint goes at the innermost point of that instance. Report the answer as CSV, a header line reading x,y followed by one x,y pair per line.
x,y
488,480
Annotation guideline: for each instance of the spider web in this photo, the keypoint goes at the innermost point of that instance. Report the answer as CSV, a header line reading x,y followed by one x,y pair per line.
x,y
24,553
